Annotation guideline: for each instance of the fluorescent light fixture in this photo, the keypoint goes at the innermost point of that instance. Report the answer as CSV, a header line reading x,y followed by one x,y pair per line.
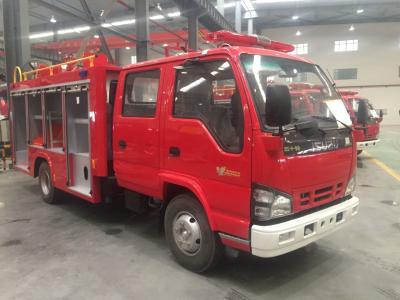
x,y
360,11
351,28
41,35
53,20
174,14
157,17
79,29
295,17
298,33
165,45
275,1
247,5
229,5
123,22
128,48
133,59
96,36
73,30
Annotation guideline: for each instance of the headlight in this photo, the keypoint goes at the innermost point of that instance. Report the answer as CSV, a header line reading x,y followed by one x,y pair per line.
x,y
351,186
269,204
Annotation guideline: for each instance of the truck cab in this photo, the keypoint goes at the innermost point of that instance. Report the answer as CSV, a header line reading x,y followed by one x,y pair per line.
x,y
268,181
366,121
212,140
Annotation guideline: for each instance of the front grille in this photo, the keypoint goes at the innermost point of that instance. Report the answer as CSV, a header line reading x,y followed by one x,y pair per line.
x,y
308,198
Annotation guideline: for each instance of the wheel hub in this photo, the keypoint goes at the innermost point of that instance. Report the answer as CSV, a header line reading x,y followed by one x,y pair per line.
x,y
45,183
187,233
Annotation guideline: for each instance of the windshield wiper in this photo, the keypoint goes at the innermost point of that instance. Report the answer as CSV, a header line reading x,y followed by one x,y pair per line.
x,y
332,120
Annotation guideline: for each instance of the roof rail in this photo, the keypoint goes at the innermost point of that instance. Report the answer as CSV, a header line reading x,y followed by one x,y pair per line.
x,y
22,76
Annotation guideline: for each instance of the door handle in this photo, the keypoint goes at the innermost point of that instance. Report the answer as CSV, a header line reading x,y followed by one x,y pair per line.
x,y
122,144
174,152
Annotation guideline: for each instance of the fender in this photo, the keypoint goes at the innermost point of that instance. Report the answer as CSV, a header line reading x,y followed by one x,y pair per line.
x,y
192,184
42,155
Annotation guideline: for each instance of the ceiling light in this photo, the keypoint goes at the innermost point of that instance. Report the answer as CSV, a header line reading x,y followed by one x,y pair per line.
x,y
351,28
174,14
247,5
295,17
156,17
275,1
96,36
128,48
298,33
41,35
122,22
360,11
53,20
165,45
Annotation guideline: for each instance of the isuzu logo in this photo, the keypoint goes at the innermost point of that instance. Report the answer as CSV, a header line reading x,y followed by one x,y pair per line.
x,y
325,145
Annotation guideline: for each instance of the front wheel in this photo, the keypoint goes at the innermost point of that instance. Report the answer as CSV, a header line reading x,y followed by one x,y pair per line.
x,y
190,238
49,192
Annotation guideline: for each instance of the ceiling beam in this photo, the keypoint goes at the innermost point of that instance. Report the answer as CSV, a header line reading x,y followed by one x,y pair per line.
x,y
210,17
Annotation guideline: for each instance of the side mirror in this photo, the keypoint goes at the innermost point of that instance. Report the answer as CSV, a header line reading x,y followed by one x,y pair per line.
x,y
362,114
278,105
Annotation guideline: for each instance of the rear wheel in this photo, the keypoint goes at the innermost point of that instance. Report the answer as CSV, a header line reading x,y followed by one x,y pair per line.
x,y
49,192
190,238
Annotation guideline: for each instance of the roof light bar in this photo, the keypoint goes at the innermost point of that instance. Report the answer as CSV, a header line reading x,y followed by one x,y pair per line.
x,y
236,39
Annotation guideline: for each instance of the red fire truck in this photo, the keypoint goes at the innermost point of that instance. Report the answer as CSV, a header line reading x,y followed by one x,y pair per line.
x,y
207,137
366,121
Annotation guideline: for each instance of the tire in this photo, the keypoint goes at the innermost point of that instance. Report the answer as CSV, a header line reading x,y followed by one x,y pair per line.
x,y
49,192
359,152
191,240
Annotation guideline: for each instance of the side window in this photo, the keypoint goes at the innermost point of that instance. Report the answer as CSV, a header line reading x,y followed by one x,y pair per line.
x,y
140,95
208,91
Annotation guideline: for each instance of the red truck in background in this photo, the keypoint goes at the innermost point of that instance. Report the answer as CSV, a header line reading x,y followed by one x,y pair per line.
x,y
210,138
366,121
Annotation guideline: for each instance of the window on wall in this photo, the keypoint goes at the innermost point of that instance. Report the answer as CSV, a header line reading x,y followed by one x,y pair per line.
x,y
300,49
345,74
141,91
346,46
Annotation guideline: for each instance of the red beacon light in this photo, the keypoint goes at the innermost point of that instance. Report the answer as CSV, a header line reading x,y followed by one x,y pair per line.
x,y
236,39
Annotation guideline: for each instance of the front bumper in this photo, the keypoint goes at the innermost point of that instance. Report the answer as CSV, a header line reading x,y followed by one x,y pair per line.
x,y
367,144
278,239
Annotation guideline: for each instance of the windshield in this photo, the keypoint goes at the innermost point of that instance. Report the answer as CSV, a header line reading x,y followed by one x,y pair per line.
x,y
312,94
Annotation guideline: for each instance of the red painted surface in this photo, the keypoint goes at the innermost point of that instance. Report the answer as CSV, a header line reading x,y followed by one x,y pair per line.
x,y
145,165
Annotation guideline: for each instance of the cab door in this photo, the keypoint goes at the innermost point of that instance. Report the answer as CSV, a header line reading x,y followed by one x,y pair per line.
x,y
136,130
207,136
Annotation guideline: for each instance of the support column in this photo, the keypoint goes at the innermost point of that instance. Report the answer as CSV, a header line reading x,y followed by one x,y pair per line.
x,y
16,34
142,29
193,29
238,16
220,6
250,26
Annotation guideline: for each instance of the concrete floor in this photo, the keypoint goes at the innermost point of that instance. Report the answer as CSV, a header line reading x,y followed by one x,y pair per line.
x,y
78,251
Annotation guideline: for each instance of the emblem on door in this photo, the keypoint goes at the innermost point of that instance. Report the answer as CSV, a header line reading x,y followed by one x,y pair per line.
x,y
224,171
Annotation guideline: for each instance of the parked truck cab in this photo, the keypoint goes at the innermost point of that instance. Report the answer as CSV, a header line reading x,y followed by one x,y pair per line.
x,y
211,140
366,121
